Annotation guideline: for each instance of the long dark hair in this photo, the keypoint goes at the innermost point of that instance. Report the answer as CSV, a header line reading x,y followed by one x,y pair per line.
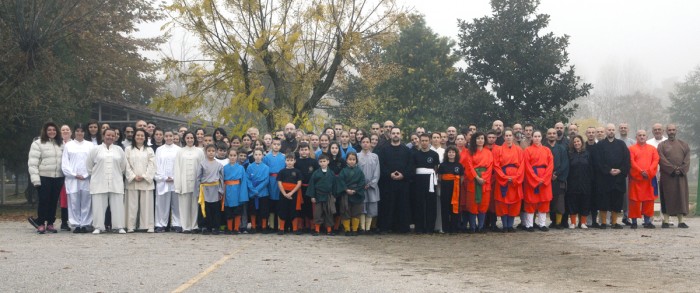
x,y
88,135
221,131
472,142
572,149
44,137
451,148
133,138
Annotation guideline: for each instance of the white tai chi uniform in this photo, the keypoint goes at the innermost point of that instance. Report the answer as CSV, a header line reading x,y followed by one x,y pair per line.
x,y
186,163
75,154
139,194
166,199
106,166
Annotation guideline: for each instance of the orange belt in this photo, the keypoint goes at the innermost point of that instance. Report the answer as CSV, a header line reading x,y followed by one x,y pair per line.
x,y
289,187
455,191
227,183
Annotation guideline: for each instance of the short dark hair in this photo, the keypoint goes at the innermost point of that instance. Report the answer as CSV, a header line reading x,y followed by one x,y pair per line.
x,y
323,157
220,145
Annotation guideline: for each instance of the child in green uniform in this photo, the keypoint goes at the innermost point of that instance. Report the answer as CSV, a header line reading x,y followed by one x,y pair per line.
x,y
321,193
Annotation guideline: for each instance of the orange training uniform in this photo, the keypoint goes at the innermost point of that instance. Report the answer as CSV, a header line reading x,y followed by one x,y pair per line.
x,y
538,198
508,163
481,159
641,192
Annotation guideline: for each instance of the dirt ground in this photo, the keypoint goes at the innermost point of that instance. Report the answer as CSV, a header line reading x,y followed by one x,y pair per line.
x,y
559,261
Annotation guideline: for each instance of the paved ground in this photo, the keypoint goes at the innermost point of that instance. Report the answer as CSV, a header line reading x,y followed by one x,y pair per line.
x,y
559,261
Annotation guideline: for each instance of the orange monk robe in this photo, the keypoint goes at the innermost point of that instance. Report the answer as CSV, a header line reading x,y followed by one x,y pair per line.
x,y
538,156
492,203
480,159
642,158
512,159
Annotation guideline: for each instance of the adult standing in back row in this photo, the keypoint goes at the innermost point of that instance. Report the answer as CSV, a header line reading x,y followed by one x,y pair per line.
x,y
613,164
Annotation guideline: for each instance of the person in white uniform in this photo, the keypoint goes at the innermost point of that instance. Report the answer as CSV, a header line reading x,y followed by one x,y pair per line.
x,y
166,199
140,170
77,182
106,165
186,163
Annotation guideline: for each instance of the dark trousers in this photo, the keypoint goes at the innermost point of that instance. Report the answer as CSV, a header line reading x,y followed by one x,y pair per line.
x,y
425,205
450,220
212,220
48,193
394,208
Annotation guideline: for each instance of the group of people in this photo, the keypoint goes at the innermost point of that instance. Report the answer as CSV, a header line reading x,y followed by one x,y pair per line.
x,y
349,180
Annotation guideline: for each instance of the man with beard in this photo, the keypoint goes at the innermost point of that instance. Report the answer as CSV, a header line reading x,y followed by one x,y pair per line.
x,y
658,131
561,137
396,168
674,162
451,135
613,164
573,131
517,133
385,138
497,127
289,144
527,132
559,175
599,133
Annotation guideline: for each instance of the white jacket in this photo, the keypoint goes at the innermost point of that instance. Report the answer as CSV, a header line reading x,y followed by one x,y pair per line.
x,y
74,160
44,160
140,162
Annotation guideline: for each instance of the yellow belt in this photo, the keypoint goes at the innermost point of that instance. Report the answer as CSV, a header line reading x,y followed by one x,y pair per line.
x,y
201,195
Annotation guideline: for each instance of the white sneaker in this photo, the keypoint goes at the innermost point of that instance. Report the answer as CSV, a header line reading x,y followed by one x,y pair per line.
x,y
96,231
130,230
121,231
583,226
572,226
150,231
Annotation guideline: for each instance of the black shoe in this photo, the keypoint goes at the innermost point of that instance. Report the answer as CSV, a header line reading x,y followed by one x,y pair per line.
x,y
205,231
595,225
530,229
215,232
33,222
552,225
197,231
682,225
314,233
298,232
496,229
520,226
602,226
544,229
617,226
77,230
665,225
626,222
330,233
280,232
649,226
65,227
510,230
186,232
633,226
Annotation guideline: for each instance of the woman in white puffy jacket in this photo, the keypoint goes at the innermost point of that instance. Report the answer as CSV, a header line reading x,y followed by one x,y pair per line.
x,y
140,170
45,173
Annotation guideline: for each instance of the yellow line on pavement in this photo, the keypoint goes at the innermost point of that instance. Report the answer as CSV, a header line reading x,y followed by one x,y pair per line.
x,y
210,269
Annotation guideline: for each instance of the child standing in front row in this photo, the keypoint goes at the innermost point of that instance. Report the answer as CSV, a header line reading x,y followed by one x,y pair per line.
x,y
208,184
351,188
321,193
236,186
289,184
259,205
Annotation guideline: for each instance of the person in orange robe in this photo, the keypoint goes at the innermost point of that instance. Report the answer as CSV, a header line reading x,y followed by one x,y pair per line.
x,y
644,161
478,165
509,172
539,166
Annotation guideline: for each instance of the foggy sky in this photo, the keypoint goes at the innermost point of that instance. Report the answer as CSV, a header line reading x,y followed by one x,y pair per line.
x,y
660,37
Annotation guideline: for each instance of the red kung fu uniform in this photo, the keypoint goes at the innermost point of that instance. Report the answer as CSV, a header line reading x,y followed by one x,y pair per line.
x,y
508,164
539,165
641,191
478,197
